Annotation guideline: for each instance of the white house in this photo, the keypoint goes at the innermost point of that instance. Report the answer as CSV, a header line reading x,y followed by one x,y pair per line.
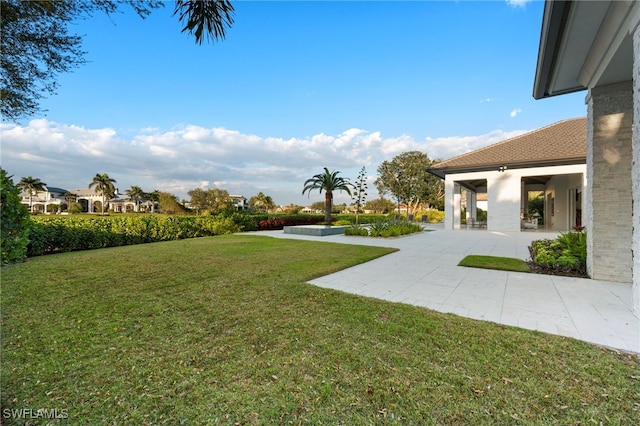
x,y
239,202
551,160
40,200
595,46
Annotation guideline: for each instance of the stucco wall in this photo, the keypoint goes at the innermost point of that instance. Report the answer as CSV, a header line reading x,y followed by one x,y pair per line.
x,y
503,196
504,191
609,157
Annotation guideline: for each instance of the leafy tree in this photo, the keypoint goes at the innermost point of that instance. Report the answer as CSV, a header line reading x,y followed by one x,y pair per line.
x,y
198,199
406,178
36,45
317,205
212,199
136,194
75,208
292,209
339,208
536,204
14,222
70,197
153,197
261,203
328,182
218,199
31,185
104,186
360,191
380,205
169,204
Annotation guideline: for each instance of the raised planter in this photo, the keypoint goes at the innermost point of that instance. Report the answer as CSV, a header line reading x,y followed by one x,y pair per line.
x,y
314,230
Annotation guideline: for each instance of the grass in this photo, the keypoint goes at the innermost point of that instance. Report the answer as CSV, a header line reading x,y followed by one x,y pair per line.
x,y
495,262
225,330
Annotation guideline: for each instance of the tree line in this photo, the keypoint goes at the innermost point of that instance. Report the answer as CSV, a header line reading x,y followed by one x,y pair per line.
x,y
404,179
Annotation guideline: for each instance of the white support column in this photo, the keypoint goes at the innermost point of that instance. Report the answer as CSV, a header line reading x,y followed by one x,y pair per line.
x,y
456,206
472,206
449,189
503,204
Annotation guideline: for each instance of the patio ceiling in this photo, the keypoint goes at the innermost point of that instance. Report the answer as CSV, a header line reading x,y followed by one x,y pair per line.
x,y
480,185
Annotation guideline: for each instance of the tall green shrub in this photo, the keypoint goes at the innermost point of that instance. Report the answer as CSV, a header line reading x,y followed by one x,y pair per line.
x,y
14,221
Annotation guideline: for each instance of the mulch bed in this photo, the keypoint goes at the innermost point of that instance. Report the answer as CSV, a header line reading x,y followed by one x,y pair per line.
x,y
564,272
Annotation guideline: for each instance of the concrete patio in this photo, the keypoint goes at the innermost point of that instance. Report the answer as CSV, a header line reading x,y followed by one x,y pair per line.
x,y
424,272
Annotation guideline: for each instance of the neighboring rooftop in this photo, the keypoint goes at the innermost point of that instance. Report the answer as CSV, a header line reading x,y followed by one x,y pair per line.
x,y
564,142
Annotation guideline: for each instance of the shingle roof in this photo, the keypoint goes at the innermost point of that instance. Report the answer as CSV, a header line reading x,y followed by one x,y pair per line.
x,y
564,142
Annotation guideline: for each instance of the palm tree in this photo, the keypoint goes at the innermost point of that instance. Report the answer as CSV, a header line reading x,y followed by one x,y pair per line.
x,y
135,193
104,186
262,203
205,18
329,182
31,185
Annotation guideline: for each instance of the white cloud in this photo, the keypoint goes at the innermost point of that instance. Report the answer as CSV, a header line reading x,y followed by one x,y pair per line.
x,y
485,100
515,112
518,3
188,157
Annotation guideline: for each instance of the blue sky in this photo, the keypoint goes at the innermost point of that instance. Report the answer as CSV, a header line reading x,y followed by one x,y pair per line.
x,y
295,87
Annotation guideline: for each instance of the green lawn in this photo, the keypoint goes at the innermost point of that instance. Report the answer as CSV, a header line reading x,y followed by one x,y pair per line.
x,y
224,330
495,262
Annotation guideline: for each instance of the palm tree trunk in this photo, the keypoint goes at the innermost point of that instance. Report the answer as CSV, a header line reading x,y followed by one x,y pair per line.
x,y
328,201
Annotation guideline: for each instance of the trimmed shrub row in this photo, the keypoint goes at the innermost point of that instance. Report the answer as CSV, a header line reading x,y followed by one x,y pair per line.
x,y
279,222
384,229
57,234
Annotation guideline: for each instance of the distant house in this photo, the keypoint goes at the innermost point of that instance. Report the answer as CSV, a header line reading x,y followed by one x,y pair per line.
x,y
239,202
40,200
550,160
88,199
595,46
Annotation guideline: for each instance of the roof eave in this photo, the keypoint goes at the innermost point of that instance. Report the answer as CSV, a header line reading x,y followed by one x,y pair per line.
x,y
441,173
553,26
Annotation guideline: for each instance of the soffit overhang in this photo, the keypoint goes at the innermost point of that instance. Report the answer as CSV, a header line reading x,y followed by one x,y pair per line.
x,y
584,44
443,172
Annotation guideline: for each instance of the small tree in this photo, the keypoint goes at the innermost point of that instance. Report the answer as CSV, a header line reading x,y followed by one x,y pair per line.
x,y
169,204
380,205
14,222
262,203
31,186
359,195
104,186
135,193
317,205
328,182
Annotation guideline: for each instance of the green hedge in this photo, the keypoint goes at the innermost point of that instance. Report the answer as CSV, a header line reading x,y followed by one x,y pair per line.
x,y
71,233
14,222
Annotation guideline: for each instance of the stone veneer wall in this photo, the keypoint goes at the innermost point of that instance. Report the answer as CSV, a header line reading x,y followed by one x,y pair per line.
x,y
635,173
609,187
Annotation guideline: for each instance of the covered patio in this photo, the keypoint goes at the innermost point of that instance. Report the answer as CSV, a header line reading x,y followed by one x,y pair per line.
x,y
548,163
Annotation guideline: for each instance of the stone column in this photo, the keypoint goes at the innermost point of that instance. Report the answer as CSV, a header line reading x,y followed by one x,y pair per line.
x,y
635,172
609,154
